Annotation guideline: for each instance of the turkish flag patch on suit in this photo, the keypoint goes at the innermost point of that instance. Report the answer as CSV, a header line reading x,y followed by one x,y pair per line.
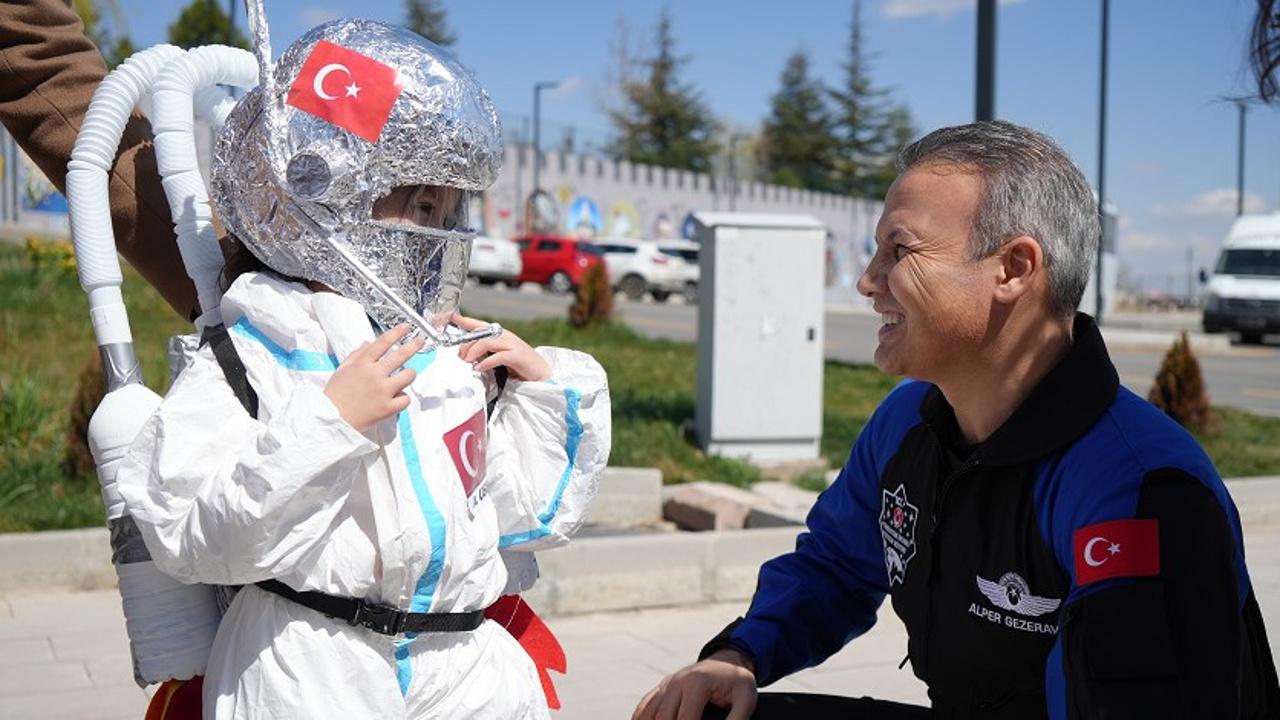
x,y
1119,548
466,444
348,89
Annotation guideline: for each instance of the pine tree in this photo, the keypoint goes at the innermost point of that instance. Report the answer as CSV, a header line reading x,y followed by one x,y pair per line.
x,y
204,23
115,46
118,51
427,18
899,131
868,127
796,144
663,121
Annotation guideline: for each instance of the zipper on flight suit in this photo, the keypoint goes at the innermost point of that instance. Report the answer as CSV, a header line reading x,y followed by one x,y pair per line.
x,y
940,497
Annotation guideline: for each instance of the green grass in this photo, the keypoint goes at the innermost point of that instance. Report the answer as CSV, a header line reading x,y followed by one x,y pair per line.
x,y
1243,444
46,339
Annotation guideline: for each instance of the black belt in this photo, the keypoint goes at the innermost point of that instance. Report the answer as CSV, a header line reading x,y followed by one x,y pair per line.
x,y
383,619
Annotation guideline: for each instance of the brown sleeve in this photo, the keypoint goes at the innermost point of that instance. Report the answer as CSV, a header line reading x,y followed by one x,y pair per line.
x,y
48,72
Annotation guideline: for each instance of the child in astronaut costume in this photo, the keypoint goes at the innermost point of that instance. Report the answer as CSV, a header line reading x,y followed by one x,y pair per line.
x,y
375,468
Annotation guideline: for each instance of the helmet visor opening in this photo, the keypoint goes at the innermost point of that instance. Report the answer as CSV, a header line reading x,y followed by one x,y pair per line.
x,y
435,207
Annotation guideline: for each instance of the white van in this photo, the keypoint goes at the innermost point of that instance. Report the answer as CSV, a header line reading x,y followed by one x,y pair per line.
x,y
1244,290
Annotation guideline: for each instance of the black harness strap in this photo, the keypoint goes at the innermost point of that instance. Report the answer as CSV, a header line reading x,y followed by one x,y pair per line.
x,y
500,375
382,619
229,360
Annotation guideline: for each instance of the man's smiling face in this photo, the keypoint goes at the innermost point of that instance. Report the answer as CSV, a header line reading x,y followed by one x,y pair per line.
x,y
933,298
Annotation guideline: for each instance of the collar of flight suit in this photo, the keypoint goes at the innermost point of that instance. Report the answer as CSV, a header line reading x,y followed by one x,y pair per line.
x,y
1068,401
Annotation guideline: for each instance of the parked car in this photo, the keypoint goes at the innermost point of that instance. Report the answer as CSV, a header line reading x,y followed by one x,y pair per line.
x,y
1244,291
686,252
495,259
556,262
637,267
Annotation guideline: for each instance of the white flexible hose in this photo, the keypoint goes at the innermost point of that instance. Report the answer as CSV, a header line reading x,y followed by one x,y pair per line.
x,y
178,90
170,625
88,180
213,105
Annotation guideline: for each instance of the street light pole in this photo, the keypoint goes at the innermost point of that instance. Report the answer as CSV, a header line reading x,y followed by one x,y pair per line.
x,y
985,87
1102,161
537,129
1240,160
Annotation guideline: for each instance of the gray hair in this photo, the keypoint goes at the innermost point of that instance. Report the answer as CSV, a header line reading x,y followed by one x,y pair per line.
x,y
1030,188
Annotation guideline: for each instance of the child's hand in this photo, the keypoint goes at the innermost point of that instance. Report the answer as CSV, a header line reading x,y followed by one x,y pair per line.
x,y
363,388
507,349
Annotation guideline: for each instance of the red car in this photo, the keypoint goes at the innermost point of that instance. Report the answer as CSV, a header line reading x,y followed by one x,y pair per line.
x,y
557,262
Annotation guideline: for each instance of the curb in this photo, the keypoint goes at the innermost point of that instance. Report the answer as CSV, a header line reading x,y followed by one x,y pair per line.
x,y
591,574
68,559
1161,340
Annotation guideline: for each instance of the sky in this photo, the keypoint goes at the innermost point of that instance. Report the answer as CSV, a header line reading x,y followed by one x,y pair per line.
x,y
1174,67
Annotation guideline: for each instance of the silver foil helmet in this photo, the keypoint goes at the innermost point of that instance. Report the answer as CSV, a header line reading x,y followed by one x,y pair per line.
x,y
360,108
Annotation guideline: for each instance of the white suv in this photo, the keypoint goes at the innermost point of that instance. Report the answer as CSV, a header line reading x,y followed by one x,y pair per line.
x,y
638,266
685,254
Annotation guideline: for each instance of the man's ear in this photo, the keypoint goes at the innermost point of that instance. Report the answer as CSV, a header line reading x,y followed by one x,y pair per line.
x,y
1021,268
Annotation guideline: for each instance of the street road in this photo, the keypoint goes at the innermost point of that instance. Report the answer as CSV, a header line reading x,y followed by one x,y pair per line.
x,y
1244,377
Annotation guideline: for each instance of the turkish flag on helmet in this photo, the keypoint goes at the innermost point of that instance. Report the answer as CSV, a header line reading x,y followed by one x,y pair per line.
x,y
352,91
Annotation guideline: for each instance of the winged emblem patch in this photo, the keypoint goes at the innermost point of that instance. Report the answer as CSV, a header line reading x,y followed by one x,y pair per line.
x,y
1011,593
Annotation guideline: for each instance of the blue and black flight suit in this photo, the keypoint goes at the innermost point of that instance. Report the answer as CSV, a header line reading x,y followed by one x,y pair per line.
x,y
977,549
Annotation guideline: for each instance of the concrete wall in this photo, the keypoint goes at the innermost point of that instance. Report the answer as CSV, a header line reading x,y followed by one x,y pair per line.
x,y
622,199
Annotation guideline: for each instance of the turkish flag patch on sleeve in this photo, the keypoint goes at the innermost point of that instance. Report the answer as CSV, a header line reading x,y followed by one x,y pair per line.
x,y
348,89
466,444
1119,548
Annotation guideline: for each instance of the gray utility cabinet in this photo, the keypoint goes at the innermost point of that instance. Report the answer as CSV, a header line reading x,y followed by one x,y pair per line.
x,y
760,335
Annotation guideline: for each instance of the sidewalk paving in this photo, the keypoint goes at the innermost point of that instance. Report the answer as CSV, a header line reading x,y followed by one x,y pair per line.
x,y
65,655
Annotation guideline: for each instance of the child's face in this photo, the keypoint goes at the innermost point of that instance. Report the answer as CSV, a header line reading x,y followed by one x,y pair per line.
x,y
430,206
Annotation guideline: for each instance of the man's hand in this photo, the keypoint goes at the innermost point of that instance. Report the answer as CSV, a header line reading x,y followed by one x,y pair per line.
x,y
363,387
522,361
725,679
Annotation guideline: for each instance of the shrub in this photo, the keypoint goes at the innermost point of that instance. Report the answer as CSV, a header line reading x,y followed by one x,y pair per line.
x,y
1179,388
594,300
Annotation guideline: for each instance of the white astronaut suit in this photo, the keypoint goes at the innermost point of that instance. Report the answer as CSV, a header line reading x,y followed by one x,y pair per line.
x,y
437,509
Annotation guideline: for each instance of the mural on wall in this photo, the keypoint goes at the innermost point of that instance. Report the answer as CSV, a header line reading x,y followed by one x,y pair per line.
x,y
624,221
36,192
688,227
584,219
501,215
542,214
662,228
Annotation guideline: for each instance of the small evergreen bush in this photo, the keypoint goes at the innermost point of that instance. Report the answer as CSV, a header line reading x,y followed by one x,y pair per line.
x,y
1179,388
593,303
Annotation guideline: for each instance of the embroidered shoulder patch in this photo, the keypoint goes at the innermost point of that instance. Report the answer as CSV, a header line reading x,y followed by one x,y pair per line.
x,y
898,532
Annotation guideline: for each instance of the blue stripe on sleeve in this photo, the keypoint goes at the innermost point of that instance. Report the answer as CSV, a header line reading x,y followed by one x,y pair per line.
x,y
307,360
572,401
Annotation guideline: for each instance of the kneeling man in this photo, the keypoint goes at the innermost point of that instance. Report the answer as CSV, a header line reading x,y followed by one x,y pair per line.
x,y
1055,546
